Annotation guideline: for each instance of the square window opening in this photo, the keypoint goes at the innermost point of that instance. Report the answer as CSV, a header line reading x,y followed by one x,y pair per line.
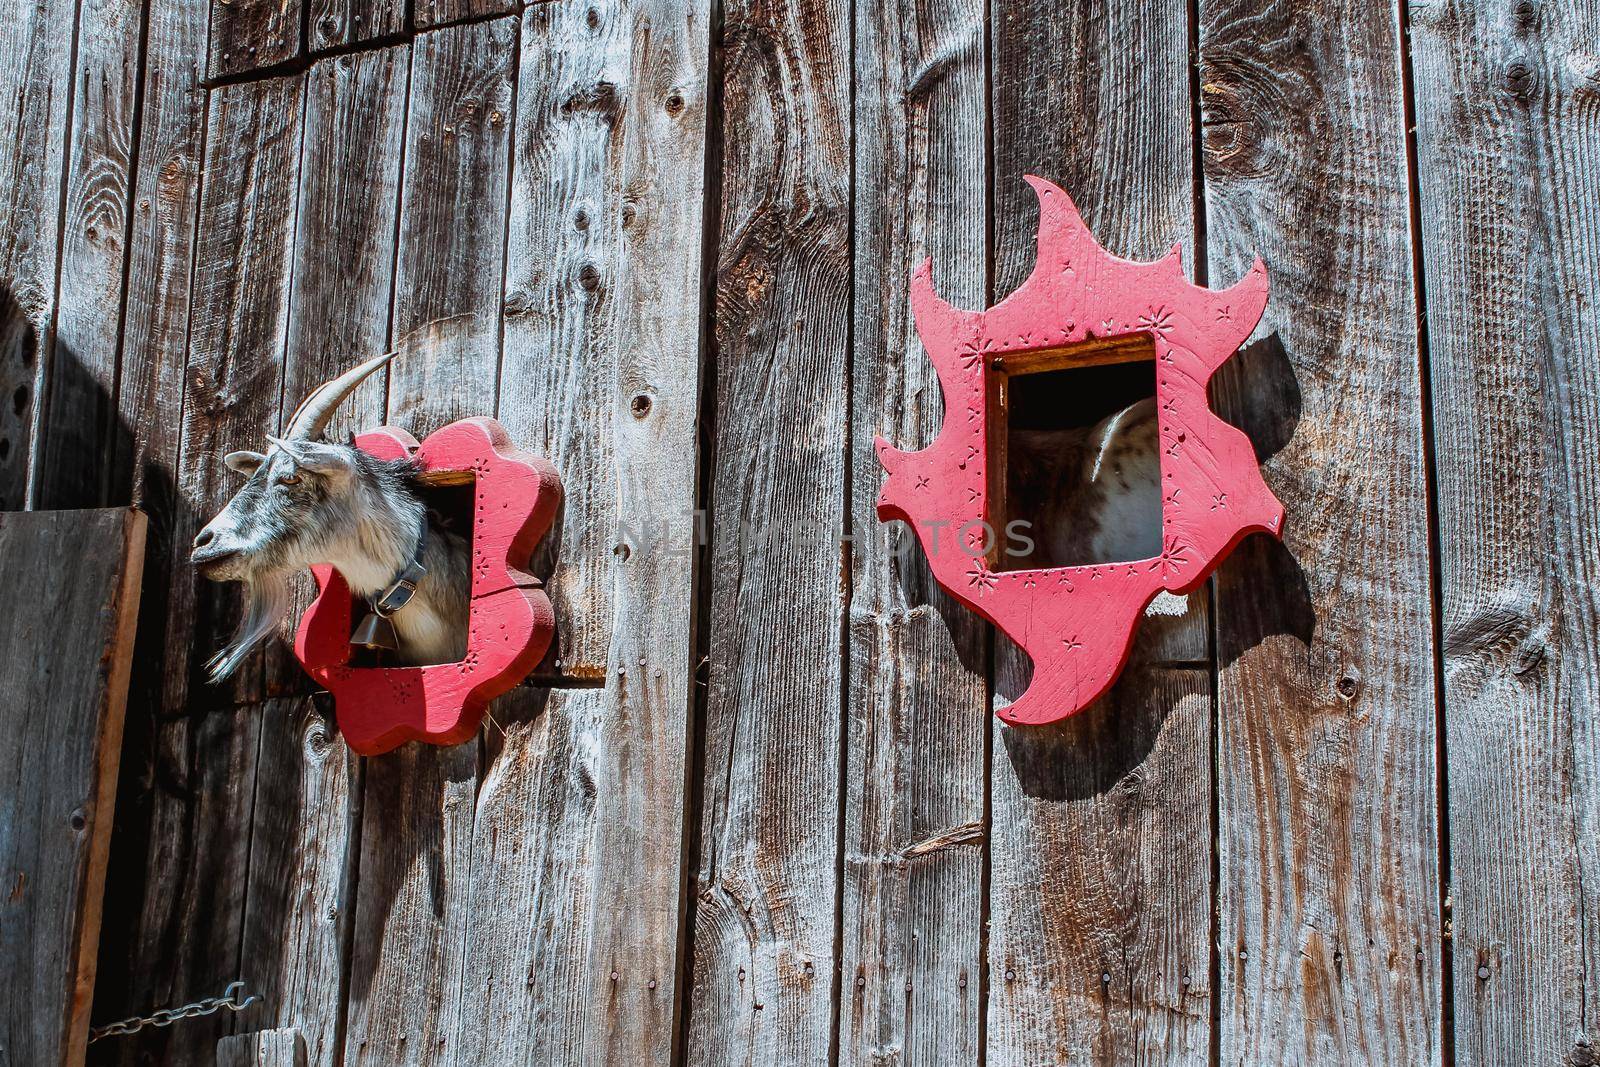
x,y
1074,463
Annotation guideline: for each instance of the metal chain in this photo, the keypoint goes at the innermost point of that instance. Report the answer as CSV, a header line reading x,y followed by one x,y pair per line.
x,y
230,999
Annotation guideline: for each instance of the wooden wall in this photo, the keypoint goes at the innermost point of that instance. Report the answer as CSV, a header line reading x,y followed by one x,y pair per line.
x,y
755,808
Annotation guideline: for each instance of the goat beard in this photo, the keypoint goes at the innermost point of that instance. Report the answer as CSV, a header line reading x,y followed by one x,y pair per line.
x,y
266,600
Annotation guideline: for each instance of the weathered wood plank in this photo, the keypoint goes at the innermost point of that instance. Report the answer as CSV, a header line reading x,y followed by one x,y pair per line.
x,y
336,23
303,834
764,940
35,79
265,1048
247,34
580,816
914,821
237,333
164,202
204,750
452,226
559,378
78,427
64,670
418,807
142,465
1507,165
1100,885
1100,954
1329,893
343,259
428,13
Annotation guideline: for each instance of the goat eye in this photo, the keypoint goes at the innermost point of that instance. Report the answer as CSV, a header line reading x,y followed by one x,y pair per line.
x,y
288,479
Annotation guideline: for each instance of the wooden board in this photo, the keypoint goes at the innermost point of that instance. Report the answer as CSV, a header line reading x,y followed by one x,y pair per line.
x,y
304,833
283,1047
64,670
765,938
78,427
36,81
342,23
1506,159
418,808
559,378
427,13
204,749
1117,137
343,271
142,463
1329,924
247,34
911,956
577,867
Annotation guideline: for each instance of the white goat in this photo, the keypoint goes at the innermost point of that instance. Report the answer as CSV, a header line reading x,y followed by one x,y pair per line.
x,y
308,500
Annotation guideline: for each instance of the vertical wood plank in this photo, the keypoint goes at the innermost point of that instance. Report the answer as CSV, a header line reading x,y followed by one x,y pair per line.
x,y
452,226
341,23
343,259
1329,892
579,826
233,379
165,202
78,429
417,813
1100,884
265,1048
429,13
35,79
143,462
205,748
764,940
248,34
64,670
914,825
1507,151
303,831
559,382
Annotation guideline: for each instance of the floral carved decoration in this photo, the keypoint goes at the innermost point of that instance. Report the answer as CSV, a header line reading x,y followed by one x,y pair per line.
x,y
510,623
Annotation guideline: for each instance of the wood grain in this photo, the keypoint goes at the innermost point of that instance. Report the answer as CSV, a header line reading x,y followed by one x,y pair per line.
x,y
343,270
1116,136
142,459
64,670
410,928
428,13
78,427
1328,850
452,226
301,890
1507,152
915,812
247,34
764,965
35,80
204,747
342,23
580,814
559,377
283,1047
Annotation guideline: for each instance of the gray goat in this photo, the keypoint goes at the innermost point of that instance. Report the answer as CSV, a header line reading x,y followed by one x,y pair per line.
x,y
308,500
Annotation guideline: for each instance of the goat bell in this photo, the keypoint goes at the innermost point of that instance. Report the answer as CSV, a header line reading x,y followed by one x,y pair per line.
x,y
375,632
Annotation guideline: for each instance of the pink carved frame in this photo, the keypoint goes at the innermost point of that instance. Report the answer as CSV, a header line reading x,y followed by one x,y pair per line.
x,y
1077,623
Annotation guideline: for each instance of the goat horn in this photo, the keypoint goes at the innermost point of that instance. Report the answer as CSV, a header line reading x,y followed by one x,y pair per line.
x,y
310,418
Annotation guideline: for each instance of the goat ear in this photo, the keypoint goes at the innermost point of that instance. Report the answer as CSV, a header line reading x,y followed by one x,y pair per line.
x,y
245,463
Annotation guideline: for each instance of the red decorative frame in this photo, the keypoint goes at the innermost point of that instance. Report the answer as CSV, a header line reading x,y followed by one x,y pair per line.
x,y
511,622
1077,623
